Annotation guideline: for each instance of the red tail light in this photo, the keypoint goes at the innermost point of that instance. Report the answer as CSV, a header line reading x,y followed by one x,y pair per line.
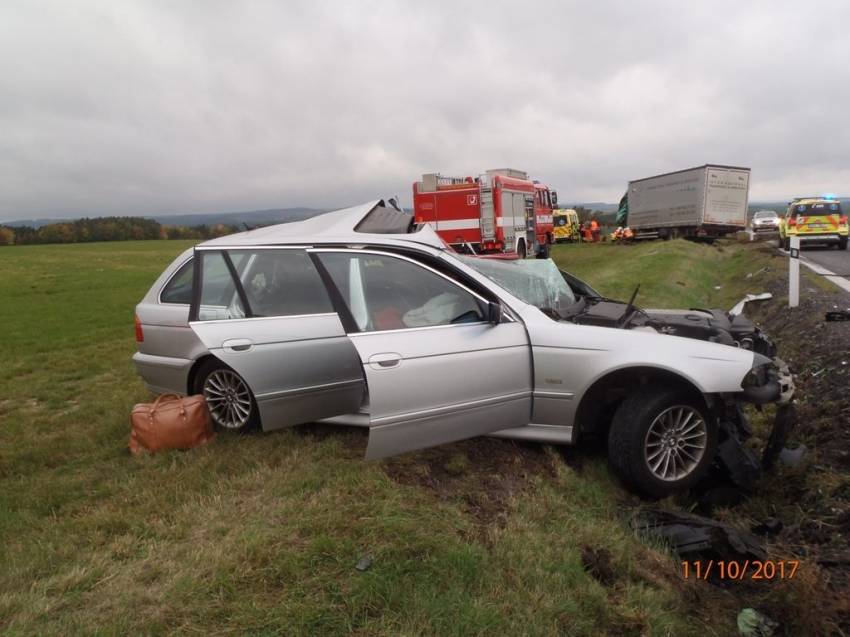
x,y
140,335
843,220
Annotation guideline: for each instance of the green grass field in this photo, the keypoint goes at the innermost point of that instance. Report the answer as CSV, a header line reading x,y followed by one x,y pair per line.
x,y
260,534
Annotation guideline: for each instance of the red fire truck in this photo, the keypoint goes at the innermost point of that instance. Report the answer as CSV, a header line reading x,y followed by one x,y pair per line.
x,y
500,211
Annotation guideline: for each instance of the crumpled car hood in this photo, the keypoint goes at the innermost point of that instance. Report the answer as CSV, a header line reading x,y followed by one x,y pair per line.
x,y
715,326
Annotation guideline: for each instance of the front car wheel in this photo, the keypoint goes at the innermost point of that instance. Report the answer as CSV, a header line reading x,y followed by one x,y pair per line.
x,y
661,442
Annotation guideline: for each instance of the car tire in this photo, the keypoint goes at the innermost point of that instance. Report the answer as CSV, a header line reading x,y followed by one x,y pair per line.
x,y
786,244
230,401
842,243
520,249
661,441
543,252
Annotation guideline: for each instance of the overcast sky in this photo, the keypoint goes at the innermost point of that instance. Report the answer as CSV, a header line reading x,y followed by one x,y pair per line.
x,y
119,107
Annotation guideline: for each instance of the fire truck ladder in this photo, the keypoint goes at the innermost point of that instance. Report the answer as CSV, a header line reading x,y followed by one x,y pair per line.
x,y
488,215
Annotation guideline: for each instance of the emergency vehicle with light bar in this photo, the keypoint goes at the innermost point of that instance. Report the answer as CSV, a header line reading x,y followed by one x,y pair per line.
x,y
500,211
566,225
816,220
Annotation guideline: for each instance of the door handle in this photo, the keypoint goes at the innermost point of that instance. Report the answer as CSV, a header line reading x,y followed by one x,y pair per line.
x,y
385,360
238,345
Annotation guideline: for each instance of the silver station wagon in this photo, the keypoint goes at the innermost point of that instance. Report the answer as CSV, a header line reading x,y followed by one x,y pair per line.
x,y
359,317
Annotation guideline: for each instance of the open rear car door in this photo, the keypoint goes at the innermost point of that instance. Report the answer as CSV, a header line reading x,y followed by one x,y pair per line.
x,y
265,313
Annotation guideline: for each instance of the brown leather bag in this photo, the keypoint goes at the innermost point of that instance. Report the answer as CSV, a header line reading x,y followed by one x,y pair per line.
x,y
170,422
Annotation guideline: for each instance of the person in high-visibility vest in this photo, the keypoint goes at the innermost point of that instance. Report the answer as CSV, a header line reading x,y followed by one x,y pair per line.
x,y
617,235
594,229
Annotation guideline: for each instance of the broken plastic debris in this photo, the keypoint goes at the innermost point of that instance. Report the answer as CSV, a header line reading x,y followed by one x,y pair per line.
x,y
783,424
364,563
739,306
752,623
689,534
792,457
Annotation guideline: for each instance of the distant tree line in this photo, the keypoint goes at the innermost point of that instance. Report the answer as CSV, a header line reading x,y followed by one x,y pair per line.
x,y
108,229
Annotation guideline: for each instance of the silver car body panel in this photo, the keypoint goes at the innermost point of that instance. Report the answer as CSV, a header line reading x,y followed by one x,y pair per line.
x,y
523,378
300,368
570,358
439,384
170,348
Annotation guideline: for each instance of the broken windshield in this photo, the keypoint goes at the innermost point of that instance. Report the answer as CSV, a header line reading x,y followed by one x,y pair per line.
x,y
538,282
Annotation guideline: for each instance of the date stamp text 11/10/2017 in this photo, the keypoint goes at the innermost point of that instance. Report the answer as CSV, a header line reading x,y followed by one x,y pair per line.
x,y
739,570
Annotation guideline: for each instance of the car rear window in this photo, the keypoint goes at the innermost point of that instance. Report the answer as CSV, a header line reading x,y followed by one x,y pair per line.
x,y
179,287
821,208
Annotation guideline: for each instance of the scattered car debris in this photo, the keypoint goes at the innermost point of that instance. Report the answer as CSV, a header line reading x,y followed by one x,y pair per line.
x,y
768,528
739,306
689,535
752,623
792,457
783,424
750,275
364,563
738,461
841,315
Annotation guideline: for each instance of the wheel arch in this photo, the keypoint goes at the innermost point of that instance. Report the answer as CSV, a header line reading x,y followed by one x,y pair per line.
x,y
193,371
604,395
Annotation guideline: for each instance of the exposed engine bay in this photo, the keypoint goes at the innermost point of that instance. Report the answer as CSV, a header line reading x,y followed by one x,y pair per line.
x,y
714,325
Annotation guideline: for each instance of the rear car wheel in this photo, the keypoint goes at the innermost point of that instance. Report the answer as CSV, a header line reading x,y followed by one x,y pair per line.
x,y
786,243
842,243
230,401
661,442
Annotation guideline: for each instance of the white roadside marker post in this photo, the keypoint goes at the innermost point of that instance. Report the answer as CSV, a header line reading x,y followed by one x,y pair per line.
x,y
794,273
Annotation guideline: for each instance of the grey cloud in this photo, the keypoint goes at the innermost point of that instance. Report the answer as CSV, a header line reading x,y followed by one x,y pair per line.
x,y
139,108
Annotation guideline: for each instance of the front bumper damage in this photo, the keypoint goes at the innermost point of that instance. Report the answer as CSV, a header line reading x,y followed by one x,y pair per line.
x,y
736,461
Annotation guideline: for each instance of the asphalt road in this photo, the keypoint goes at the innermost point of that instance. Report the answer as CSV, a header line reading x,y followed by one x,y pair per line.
x,y
823,259
837,261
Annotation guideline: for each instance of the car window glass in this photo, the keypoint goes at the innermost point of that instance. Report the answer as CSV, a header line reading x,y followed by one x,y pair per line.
x,y
219,299
179,287
280,282
386,293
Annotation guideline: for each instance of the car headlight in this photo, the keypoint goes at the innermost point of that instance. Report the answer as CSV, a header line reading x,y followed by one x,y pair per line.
x,y
762,371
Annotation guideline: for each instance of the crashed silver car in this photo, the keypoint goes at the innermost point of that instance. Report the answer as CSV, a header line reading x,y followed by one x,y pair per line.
x,y
359,317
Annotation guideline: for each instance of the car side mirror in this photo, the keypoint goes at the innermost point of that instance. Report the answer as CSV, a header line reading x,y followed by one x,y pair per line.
x,y
494,313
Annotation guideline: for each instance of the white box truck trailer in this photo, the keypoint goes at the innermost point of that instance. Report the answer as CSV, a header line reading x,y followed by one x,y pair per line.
x,y
708,201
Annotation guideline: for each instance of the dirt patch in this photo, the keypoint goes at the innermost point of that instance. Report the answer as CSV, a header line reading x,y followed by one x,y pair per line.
x,y
483,474
597,562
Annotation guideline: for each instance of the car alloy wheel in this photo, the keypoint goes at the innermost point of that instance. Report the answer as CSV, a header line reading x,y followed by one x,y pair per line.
x,y
228,399
675,442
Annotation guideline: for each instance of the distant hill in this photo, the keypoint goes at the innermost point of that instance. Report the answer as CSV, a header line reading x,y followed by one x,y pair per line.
x,y
593,205
250,217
